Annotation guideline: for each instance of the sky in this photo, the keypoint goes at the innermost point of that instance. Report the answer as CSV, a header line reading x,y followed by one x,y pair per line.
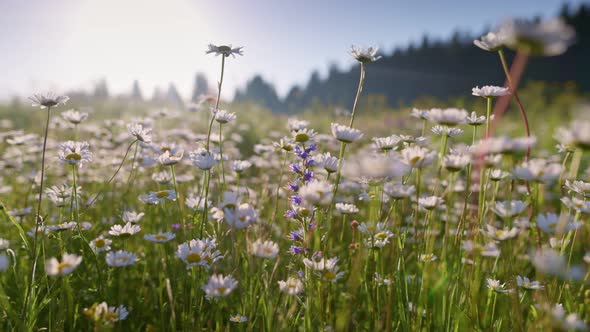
x,y
60,45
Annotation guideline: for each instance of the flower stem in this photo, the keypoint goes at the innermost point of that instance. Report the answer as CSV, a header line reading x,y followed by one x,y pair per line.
x,y
358,94
221,154
38,221
343,145
488,114
514,91
216,102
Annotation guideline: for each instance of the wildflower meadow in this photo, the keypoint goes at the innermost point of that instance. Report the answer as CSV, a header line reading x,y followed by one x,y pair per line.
x,y
219,217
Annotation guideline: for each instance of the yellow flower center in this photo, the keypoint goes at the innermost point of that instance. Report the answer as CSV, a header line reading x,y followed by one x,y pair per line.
x,y
193,257
162,194
329,275
62,266
381,235
74,156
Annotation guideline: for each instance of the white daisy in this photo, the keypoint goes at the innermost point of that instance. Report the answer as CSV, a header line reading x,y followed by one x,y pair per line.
x,y
219,286
69,262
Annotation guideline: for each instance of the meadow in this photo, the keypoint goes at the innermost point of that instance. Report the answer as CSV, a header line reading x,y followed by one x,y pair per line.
x,y
438,216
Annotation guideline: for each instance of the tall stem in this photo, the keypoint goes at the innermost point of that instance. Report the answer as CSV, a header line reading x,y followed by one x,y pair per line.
x,y
38,221
488,115
221,154
216,102
514,91
358,94
206,208
343,145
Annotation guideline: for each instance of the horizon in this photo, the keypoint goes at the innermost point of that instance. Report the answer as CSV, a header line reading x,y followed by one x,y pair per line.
x,y
159,43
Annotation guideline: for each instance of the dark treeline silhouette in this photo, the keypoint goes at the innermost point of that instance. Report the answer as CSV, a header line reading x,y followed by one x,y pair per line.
x,y
440,69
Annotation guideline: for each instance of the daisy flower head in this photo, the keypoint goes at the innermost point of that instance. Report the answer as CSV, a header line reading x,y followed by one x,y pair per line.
x,y
538,170
447,116
552,223
326,269
101,312
294,124
474,120
546,37
576,135
223,116
565,321
398,190
266,249
4,244
574,203
418,157
240,216
497,286
345,134
316,193
237,318
224,50
509,209
169,159
219,286
379,235
291,286
203,159
196,202
132,216
346,208
199,252
48,100
430,202
239,166
124,231
74,117
364,55
489,91
527,284
492,41
138,131
160,237
446,131
120,258
303,135
427,258
326,161
74,153
386,143
419,114
157,197
579,187
285,144
4,262
69,262
456,162
381,280
552,262
500,234
100,244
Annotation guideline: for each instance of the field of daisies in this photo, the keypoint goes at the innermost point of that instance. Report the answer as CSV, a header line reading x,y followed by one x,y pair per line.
x,y
212,220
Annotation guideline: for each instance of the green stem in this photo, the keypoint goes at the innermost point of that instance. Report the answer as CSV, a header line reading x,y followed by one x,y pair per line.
x,y
488,115
38,222
221,155
216,102
358,94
